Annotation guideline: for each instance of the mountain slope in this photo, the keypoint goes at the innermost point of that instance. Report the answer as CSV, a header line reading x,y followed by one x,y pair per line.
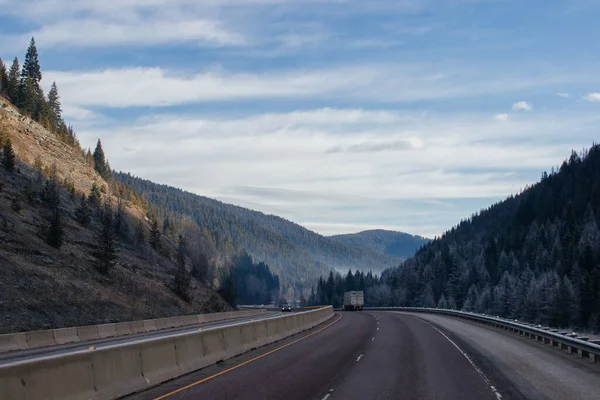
x,y
46,287
397,244
297,255
535,256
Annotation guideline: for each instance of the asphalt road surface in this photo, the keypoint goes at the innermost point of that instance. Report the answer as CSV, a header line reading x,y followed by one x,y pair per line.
x,y
42,352
390,355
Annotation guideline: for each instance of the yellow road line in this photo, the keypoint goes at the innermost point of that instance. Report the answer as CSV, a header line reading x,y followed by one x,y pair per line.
x,y
245,362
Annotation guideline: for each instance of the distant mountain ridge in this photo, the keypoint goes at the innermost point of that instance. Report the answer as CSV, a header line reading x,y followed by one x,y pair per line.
x,y
392,243
298,255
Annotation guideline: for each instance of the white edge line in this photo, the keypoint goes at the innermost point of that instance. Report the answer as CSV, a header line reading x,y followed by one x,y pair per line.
x,y
481,373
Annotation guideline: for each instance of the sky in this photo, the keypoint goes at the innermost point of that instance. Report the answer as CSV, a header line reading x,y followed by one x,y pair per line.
x,y
341,115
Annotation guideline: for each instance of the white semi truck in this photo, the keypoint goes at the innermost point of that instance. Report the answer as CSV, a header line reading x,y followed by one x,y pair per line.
x,y
354,300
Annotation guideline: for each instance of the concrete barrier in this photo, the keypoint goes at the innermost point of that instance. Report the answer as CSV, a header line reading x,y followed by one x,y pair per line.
x,y
123,328
233,340
20,341
190,353
12,342
66,335
40,339
150,325
260,328
107,331
159,360
213,344
249,337
49,378
119,370
137,327
88,332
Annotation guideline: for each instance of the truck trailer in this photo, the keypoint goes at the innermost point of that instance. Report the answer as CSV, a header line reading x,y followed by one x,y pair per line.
x,y
354,300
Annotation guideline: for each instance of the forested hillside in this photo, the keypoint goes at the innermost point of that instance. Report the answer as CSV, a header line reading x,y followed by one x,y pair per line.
x,y
397,244
533,257
297,255
75,246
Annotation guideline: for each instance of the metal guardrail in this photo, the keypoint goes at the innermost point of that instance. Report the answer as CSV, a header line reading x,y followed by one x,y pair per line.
x,y
553,337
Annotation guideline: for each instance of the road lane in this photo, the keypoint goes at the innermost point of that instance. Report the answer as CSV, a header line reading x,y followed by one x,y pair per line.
x,y
299,371
52,351
524,368
410,360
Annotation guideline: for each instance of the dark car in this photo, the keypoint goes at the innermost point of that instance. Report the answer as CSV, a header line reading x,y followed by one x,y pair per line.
x,y
286,308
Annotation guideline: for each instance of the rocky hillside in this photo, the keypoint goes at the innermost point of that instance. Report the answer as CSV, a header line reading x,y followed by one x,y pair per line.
x,y
47,287
398,244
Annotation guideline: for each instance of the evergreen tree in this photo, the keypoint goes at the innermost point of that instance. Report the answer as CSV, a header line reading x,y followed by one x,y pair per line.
x,y
3,79
54,105
12,85
181,278
140,234
106,251
31,66
90,159
83,213
227,290
8,161
200,267
95,195
29,100
100,163
55,232
120,224
154,238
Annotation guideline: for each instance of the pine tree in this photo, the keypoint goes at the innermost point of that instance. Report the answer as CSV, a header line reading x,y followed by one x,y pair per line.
x,y
54,104
31,66
106,251
154,238
140,234
95,195
8,161
120,224
181,279
83,213
3,78
29,100
100,163
200,267
55,233
90,158
227,290
12,85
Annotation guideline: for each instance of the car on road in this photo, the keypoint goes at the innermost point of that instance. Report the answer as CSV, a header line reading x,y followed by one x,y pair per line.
x,y
286,308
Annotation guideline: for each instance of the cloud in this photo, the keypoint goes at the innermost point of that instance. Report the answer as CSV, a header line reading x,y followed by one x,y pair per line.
x,y
592,97
501,117
92,33
565,95
522,106
159,87
378,146
275,162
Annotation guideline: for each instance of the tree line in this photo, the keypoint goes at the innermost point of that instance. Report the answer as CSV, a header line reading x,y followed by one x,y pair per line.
x,y
533,257
21,85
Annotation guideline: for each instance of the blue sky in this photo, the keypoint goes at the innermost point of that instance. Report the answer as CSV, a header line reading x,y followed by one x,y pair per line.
x,y
341,115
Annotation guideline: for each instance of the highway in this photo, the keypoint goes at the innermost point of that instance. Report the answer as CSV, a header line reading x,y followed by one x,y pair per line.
x,y
392,355
53,351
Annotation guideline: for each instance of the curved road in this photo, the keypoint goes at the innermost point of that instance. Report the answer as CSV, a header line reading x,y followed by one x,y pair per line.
x,y
389,355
